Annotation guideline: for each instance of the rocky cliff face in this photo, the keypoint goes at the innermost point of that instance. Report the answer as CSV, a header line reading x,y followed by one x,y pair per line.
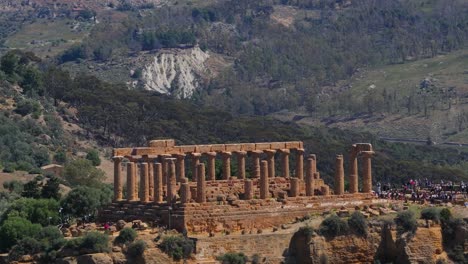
x,y
424,247
176,72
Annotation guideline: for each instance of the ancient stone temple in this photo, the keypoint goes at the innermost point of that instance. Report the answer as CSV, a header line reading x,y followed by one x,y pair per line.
x,y
178,185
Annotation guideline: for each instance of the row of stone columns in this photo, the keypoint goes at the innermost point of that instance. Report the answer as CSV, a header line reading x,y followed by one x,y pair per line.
x,y
148,171
353,176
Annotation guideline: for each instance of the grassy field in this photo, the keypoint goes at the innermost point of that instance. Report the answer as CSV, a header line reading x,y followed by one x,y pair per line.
x,y
449,70
49,37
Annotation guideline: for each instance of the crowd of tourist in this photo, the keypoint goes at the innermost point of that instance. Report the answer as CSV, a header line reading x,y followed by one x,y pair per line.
x,y
423,190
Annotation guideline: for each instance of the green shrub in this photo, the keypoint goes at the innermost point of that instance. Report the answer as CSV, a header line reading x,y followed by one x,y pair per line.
x,y
445,214
233,258
41,211
431,213
127,235
27,106
26,246
14,186
14,229
94,242
51,238
177,247
406,222
93,156
136,249
333,226
357,223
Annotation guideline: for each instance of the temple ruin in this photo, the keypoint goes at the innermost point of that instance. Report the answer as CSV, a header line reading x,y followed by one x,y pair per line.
x,y
264,192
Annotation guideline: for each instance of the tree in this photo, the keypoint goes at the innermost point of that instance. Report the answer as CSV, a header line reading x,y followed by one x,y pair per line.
x,y
41,211
82,172
9,63
56,83
14,229
93,156
31,190
14,186
84,200
51,189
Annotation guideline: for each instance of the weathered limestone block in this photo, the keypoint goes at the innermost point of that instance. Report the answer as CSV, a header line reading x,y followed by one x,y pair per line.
x,y
271,162
264,191
241,164
339,175
131,181
300,164
248,190
150,180
195,162
310,178
165,168
211,157
180,166
185,191
171,181
285,162
118,191
367,173
158,184
144,179
256,163
325,190
226,165
201,184
294,191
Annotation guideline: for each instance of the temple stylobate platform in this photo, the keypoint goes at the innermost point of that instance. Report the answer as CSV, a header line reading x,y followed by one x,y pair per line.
x,y
179,184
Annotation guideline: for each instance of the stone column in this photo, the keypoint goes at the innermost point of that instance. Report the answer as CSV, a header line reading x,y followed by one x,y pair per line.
x,y
241,164
144,180
151,180
184,191
314,163
201,184
195,162
226,165
135,181
118,191
131,181
165,168
353,172
325,190
264,191
271,162
158,184
294,188
211,157
248,190
339,175
367,173
285,162
310,177
300,164
317,176
180,167
171,181
256,163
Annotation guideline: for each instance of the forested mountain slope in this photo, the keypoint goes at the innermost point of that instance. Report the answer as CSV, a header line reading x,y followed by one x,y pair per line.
x,y
116,116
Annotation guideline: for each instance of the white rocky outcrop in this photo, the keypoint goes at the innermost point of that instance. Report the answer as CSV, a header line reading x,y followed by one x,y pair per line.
x,y
175,71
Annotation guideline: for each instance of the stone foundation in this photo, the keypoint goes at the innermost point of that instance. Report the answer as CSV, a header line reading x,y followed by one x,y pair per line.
x,y
232,216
